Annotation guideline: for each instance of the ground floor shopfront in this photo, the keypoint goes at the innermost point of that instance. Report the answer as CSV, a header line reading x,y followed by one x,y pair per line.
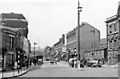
x,y
113,56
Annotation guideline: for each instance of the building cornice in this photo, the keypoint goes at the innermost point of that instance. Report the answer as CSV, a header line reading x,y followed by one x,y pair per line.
x,y
112,18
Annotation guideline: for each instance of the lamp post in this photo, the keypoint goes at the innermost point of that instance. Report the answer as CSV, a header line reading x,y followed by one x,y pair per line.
x,y
34,49
78,33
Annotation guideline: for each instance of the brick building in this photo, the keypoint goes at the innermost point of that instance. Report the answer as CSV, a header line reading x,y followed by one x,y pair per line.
x,y
99,53
58,48
14,20
113,35
89,39
13,39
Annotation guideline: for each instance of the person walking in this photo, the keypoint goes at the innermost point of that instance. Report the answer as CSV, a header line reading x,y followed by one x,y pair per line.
x,y
81,63
35,61
75,63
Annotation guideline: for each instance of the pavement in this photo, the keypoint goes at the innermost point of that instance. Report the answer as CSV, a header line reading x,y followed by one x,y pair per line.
x,y
114,66
15,73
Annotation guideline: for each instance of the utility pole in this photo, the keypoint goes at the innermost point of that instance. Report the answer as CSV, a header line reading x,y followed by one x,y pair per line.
x,y
78,35
78,31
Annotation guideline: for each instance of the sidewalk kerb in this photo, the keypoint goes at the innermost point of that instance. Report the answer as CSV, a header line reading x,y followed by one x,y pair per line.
x,y
19,74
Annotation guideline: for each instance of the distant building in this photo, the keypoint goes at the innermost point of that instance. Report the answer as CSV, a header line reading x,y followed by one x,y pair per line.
x,y
89,39
103,42
113,35
59,47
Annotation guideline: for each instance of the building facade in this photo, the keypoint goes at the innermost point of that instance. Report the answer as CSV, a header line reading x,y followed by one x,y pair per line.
x,y
59,47
113,35
89,39
14,42
14,20
99,53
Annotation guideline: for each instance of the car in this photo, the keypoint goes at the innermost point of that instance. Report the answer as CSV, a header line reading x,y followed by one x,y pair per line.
x,y
52,60
40,61
96,64
93,63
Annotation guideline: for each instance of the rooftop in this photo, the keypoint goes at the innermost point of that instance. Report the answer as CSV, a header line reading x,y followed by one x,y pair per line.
x,y
12,15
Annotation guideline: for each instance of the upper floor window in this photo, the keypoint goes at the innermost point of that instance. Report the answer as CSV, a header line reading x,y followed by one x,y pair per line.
x,y
115,28
110,41
110,26
110,31
11,42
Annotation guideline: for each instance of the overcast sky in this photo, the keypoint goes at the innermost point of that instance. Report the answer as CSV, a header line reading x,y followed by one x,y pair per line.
x,y
49,19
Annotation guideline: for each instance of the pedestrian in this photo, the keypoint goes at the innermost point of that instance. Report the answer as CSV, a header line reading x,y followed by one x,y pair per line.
x,y
27,63
72,63
30,62
75,63
81,64
35,61
56,60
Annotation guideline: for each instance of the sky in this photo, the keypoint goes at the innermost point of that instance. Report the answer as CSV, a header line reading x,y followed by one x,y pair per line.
x,y
49,19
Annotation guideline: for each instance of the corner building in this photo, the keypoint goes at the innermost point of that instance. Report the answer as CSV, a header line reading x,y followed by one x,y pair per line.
x,y
13,38
113,36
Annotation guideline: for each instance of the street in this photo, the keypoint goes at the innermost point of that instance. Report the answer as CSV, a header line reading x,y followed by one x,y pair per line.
x,y
63,70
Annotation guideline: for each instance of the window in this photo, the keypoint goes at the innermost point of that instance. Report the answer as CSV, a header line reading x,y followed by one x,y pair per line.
x,y
115,28
11,42
110,41
110,26
110,31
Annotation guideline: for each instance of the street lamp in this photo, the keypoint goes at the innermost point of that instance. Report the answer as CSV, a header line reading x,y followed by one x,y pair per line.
x,y
34,49
78,33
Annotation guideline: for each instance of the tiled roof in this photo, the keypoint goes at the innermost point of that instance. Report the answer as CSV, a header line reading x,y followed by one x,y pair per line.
x,y
12,16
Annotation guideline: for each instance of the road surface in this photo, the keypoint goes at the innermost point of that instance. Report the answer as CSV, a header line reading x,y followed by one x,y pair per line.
x,y
63,70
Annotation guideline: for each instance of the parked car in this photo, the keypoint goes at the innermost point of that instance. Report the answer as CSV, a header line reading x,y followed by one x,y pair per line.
x,y
40,61
93,63
52,61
